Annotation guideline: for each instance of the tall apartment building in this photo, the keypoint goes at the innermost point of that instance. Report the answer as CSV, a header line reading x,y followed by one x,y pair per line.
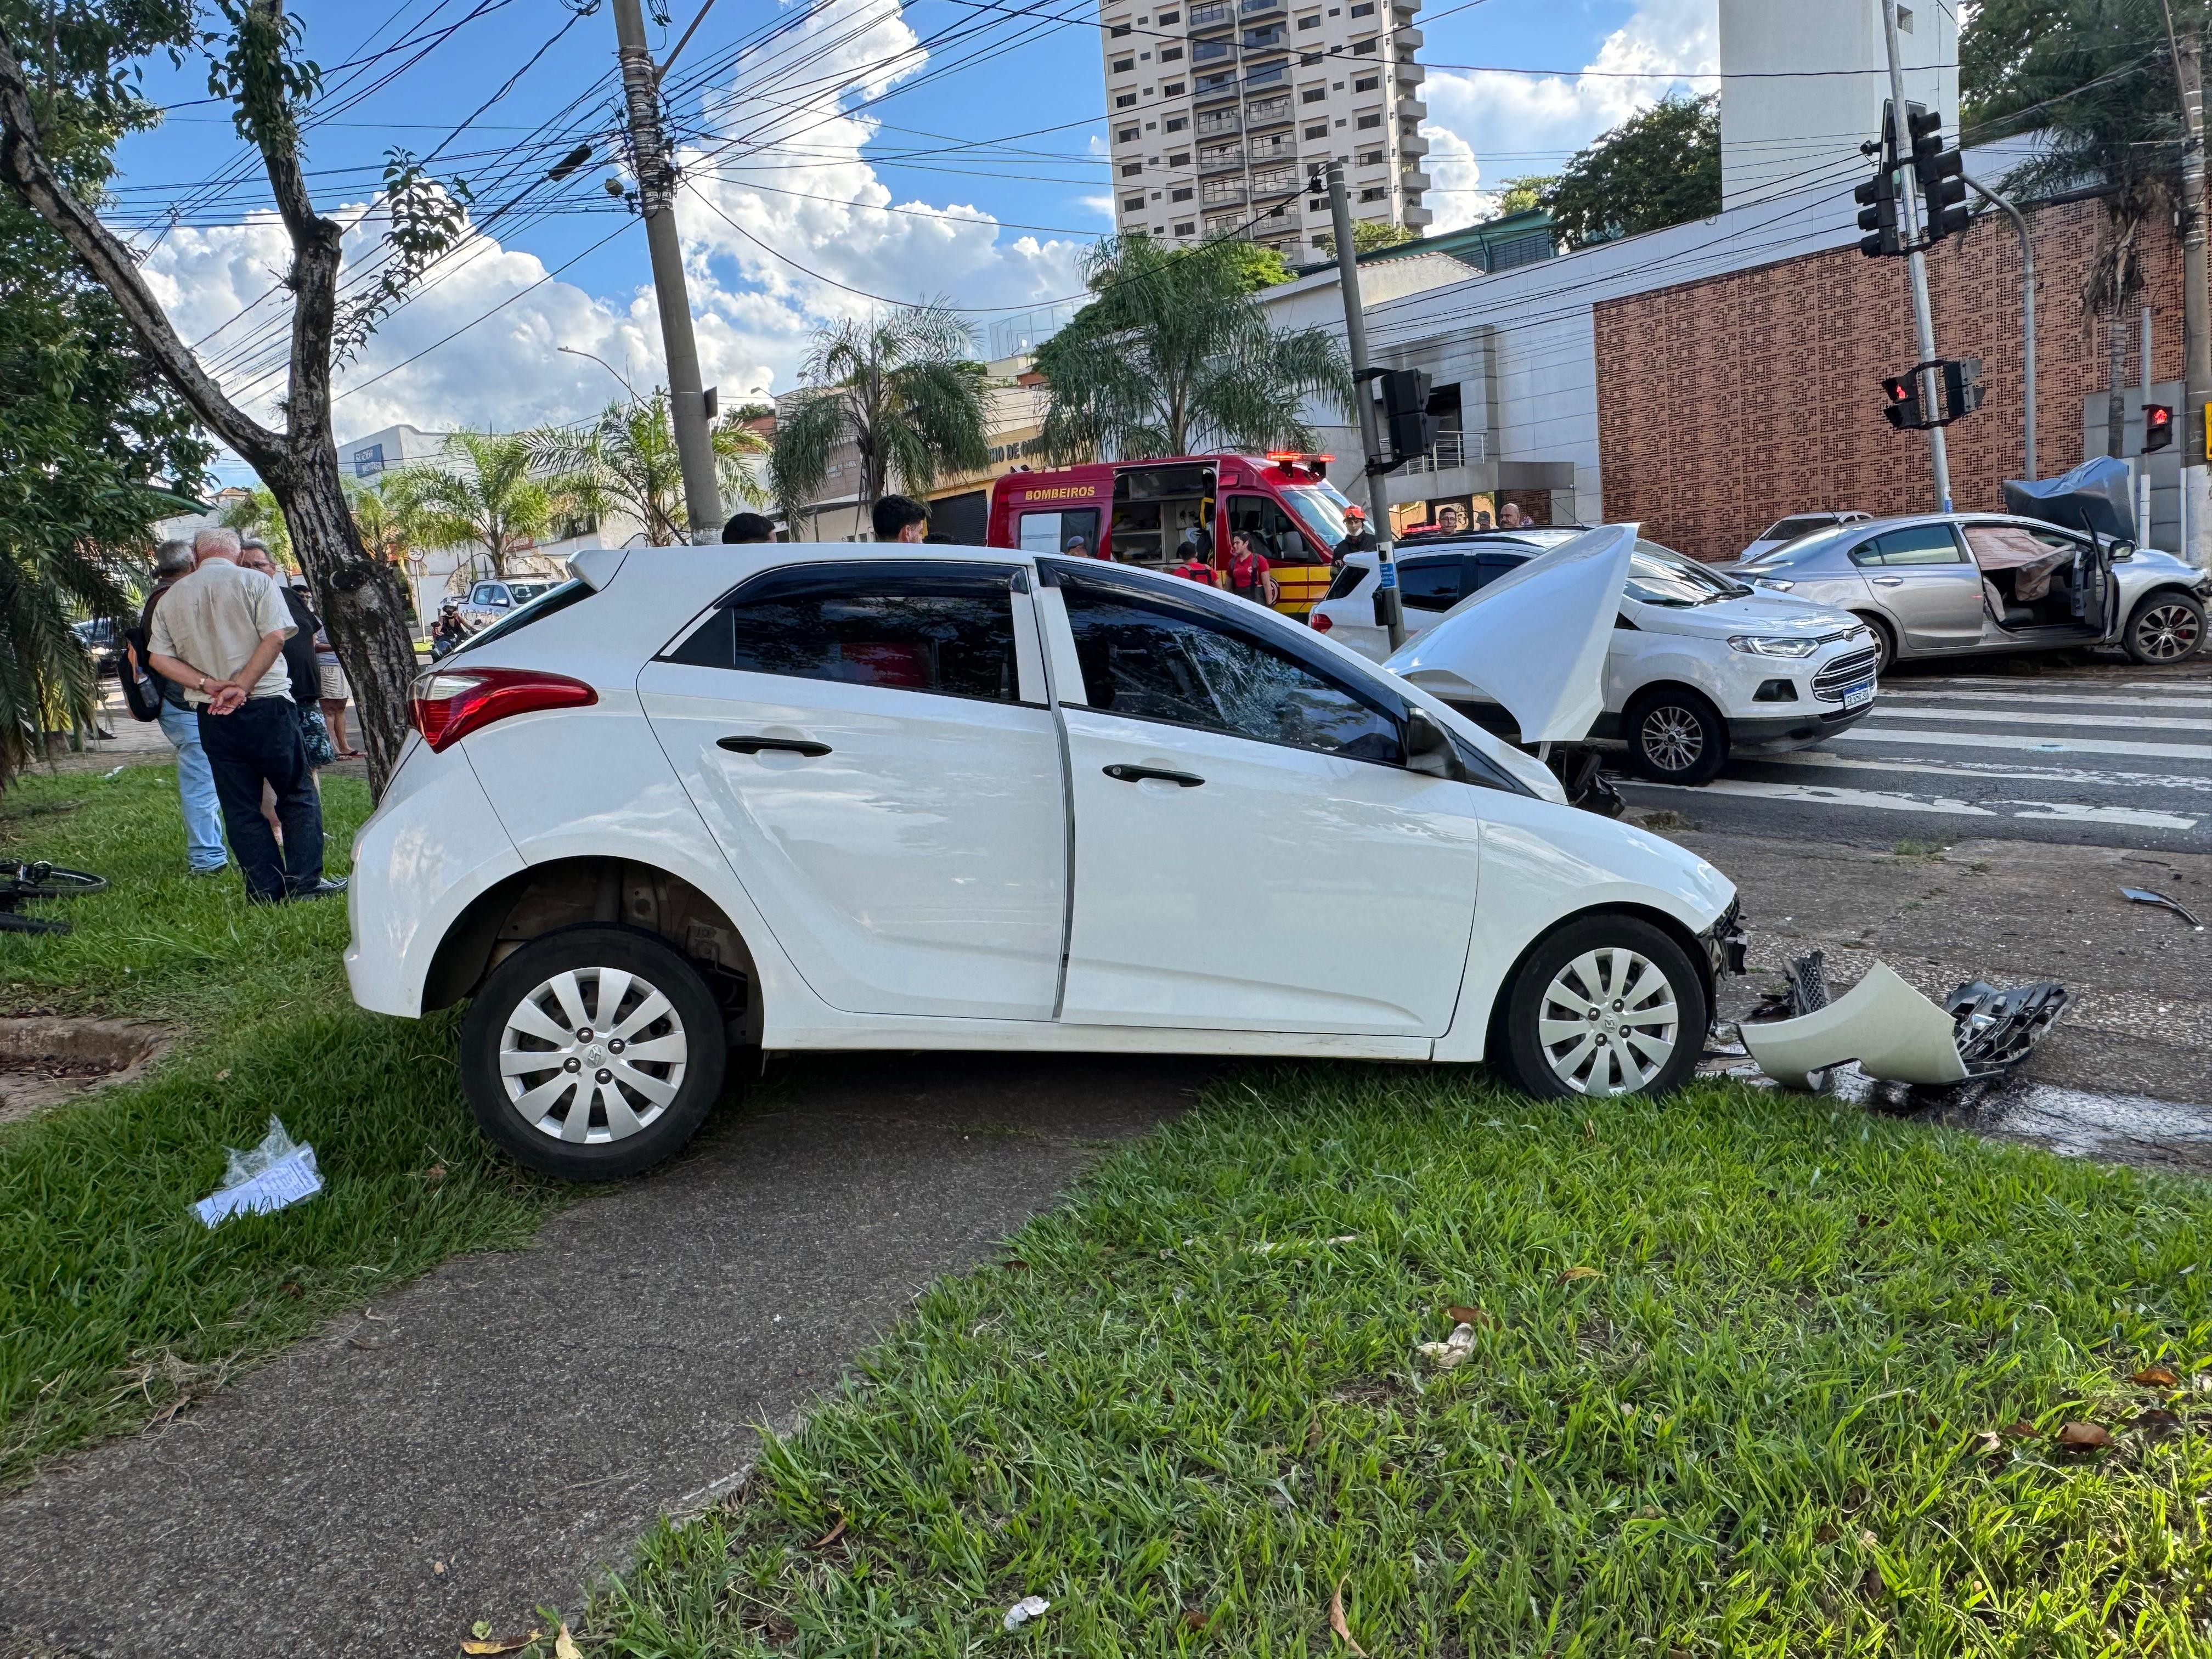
x,y
1223,112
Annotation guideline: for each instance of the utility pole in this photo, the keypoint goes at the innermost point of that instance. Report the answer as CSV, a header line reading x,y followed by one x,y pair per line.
x,y
2026,320
1923,322
1389,604
2196,327
656,193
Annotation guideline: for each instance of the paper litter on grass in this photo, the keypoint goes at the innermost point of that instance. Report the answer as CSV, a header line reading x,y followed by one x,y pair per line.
x,y
1028,1607
279,1171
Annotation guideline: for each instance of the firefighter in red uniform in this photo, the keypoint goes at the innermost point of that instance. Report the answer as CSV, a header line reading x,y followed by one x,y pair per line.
x,y
1195,566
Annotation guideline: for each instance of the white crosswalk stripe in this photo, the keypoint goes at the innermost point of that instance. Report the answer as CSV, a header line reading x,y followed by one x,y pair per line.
x,y
2114,757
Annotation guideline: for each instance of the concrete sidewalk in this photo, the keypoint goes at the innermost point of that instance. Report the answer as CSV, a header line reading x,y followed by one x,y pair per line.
x,y
499,1429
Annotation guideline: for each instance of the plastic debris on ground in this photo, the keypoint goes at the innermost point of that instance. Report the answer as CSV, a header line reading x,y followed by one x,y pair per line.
x,y
1452,1351
2144,895
1895,1034
1028,1607
280,1171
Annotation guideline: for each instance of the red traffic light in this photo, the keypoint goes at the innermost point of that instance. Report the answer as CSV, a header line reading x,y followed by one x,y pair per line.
x,y
2158,426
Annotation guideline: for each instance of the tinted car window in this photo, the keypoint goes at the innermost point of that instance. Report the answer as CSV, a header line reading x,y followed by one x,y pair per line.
x,y
947,629
1273,532
1154,657
1489,567
1431,584
1919,544
1805,548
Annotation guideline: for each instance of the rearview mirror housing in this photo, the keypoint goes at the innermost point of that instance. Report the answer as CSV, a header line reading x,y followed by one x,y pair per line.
x,y
1430,749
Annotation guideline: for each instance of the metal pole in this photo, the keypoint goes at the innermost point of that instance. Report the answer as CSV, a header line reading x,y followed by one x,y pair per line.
x,y
2027,318
1388,599
1923,322
2196,327
656,190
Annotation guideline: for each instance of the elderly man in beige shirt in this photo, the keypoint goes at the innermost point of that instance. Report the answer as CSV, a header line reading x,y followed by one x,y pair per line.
x,y
219,633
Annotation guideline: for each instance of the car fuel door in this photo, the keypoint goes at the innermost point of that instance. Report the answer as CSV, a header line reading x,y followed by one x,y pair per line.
x,y
1251,851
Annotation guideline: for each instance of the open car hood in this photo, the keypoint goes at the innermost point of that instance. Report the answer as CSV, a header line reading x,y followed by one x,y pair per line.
x,y
2096,496
1533,641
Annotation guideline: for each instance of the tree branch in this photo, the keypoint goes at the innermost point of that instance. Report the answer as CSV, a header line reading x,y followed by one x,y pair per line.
x,y
24,167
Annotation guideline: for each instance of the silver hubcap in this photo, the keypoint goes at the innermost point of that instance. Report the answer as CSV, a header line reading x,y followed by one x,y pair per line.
x,y
1608,1025
593,1055
1672,738
2166,633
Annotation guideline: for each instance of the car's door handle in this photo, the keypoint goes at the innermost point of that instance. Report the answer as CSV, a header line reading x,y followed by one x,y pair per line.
x,y
1887,581
786,745
1139,773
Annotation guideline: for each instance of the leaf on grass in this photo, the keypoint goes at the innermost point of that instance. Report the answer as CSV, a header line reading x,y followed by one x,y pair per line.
x,y
2155,1376
1988,1441
1196,1617
1336,1621
1870,1584
500,1644
830,1536
564,1645
2083,1436
1459,1316
2157,1421
1452,1351
2022,1429
1826,1533
1573,1273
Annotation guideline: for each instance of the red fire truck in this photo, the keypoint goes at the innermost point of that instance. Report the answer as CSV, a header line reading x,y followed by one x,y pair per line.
x,y
1137,513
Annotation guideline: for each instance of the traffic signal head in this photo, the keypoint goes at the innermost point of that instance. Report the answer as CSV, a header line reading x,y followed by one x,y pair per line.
x,y
1877,197
1924,128
1963,390
1943,192
1409,429
2158,427
1901,401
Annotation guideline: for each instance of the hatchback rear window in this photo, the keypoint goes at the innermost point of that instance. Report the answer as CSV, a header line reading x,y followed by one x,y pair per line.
x,y
556,598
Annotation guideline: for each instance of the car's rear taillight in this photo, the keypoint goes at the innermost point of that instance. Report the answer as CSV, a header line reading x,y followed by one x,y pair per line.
x,y
449,703
1319,622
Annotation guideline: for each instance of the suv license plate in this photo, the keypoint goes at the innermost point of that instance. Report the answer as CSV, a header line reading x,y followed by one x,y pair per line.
x,y
1858,696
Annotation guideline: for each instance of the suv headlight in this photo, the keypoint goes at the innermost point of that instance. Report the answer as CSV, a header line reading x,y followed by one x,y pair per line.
x,y
1777,583
1774,645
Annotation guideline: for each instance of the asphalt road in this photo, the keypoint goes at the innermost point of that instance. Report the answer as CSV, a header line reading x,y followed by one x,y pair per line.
x,y
2059,747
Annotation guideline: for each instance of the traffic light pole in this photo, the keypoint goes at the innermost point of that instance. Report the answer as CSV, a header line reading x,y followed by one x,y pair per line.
x,y
1389,604
2196,328
656,181
1923,322
2026,320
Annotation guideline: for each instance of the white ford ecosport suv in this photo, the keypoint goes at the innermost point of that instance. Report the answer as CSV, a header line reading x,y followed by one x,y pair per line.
x,y
1702,666
818,796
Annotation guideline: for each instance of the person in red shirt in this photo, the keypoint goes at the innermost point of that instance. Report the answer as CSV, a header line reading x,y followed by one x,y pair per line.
x,y
1248,570
1195,566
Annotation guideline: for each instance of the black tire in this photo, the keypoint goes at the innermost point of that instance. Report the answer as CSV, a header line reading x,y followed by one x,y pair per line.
x,y
2167,627
611,1086
1529,1062
1675,736
1885,643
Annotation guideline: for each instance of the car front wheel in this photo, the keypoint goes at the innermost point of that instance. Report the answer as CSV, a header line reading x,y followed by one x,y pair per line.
x,y
593,1053
2167,627
1675,736
1607,1005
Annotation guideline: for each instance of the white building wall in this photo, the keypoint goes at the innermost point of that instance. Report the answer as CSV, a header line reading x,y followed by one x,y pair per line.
x,y
1807,82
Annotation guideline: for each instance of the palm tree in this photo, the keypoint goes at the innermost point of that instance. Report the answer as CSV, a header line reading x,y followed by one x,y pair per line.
x,y
387,531
257,514
1175,357
626,461
496,501
905,392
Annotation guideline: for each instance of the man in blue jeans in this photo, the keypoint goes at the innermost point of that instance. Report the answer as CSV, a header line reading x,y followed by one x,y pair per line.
x,y
219,633
181,725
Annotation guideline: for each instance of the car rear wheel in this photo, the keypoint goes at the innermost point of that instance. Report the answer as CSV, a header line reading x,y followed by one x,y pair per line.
x,y
1675,736
593,1053
1607,1005
2167,627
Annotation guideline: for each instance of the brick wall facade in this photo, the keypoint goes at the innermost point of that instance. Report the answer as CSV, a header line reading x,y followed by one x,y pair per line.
x,y
1724,403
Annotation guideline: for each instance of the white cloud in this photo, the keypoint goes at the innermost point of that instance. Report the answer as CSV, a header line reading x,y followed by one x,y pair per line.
x,y
1486,127
795,177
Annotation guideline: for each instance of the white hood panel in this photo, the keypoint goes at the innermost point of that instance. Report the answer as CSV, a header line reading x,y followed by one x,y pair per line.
x,y
1533,641
1760,613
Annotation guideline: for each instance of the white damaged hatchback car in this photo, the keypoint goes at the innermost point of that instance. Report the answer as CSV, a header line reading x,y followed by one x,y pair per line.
x,y
816,796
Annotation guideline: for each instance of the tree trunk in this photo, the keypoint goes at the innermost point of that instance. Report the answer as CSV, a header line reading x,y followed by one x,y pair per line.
x,y
2116,386
358,597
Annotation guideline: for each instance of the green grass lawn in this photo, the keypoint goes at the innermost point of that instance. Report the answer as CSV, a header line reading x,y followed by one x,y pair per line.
x,y
116,1304
1737,1360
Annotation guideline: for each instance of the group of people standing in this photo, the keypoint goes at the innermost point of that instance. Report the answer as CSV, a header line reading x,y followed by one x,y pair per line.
x,y
252,697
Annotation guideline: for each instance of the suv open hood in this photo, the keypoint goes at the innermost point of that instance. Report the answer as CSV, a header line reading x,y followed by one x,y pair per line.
x,y
1533,641
1754,613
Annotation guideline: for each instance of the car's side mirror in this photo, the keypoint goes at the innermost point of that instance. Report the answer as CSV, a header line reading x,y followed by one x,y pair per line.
x,y
1430,749
2122,550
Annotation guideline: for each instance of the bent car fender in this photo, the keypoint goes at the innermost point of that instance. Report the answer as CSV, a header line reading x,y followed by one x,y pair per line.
x,y
1892,1031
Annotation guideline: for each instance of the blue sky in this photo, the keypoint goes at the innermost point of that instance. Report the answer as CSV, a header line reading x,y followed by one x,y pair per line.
x,y
797,199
